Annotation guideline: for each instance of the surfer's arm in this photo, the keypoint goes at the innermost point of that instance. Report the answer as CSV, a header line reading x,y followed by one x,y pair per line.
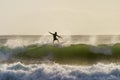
x,y
59,36
51,33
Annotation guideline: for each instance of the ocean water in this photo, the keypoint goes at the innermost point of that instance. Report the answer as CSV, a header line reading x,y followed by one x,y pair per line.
x,y
19,71
76,57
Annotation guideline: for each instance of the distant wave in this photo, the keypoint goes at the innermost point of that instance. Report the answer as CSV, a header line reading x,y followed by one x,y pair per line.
x,y
19,71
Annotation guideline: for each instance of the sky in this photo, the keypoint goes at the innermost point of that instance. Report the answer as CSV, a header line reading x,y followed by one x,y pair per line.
x,y
77,17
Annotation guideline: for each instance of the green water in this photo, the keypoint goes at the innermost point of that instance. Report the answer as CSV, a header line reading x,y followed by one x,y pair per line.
x,y
80,53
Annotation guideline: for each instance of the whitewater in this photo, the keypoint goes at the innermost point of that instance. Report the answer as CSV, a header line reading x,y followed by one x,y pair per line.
x,y
55,61
19,71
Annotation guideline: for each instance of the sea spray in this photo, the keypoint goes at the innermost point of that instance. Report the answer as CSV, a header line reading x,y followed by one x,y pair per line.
x,y
19,71
21,41
43,40
18,42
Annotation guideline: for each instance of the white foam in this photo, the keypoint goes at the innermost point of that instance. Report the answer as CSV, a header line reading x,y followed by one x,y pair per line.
x,y
66,40
18,71
14,43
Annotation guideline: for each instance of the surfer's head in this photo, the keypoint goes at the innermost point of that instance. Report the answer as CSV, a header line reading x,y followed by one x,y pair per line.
x,y
55,32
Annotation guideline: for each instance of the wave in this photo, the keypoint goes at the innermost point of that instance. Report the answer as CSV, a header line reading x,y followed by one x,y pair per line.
x,y
72,49
77,53
19,71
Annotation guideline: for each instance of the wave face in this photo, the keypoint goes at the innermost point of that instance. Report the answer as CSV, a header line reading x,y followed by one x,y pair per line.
x,y
78,53
19,71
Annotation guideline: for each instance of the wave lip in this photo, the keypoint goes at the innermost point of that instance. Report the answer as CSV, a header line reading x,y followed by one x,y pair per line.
x,y
59,72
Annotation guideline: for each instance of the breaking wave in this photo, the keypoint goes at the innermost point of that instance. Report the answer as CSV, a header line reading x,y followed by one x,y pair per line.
x,y
19,71
62,54
85,49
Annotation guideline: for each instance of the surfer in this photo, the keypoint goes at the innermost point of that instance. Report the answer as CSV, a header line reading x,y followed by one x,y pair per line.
x,y
55,37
